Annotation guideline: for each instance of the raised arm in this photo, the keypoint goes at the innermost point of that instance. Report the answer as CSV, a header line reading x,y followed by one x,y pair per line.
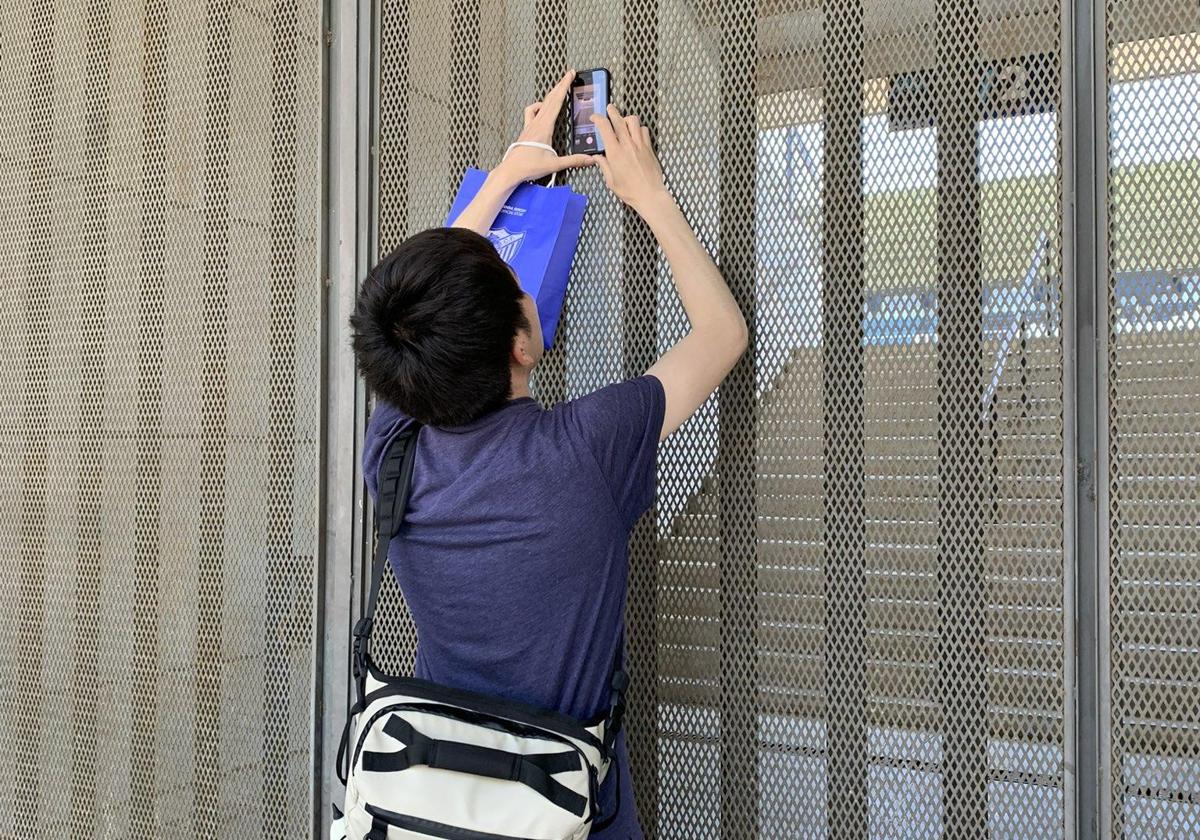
x,y
695,365
523,163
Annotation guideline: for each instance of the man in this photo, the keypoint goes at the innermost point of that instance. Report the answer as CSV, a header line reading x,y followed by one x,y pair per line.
x,y
513,555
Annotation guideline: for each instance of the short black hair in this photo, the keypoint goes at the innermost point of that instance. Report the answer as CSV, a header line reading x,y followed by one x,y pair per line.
x,y
434,325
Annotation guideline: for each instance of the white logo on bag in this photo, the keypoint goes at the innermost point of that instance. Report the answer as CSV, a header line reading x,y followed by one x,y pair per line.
x,y
506,242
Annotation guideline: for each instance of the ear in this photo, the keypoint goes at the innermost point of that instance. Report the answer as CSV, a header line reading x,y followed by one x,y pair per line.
x,y
521,356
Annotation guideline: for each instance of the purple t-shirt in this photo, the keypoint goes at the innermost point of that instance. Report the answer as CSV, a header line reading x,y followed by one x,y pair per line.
x,y
513,555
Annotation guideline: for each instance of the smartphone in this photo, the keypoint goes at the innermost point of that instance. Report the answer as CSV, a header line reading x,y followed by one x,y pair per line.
x,y
589,95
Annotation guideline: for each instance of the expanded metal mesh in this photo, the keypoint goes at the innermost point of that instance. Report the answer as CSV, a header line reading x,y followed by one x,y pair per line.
x,y
1153,341
159,383
846,611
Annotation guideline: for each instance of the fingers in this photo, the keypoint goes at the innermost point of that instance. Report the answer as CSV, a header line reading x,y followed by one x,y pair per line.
x,y
547,110
646,136
606,130
635,128
620,127
606,168
573,161
558,93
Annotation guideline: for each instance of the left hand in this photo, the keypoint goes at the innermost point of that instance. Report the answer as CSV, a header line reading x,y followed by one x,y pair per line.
x,y
528,163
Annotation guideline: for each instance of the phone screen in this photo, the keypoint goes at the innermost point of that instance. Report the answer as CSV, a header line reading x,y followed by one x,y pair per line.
x,y
589,95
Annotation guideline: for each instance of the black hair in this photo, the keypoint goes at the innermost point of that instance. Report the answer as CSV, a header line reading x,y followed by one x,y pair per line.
x,y
434,325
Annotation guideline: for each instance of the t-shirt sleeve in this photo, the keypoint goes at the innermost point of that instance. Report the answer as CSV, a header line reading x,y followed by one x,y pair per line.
x,y
619,425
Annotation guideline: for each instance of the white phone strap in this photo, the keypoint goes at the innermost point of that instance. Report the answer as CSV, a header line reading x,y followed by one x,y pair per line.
x,y
536,145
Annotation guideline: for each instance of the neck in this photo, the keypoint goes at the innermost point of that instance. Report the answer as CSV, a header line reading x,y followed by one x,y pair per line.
x,y
520,386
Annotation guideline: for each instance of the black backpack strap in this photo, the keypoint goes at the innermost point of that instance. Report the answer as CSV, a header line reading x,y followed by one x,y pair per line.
x,y
391,499
618,684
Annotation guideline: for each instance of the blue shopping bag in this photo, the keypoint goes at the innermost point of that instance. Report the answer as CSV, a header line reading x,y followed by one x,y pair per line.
x,y
536,233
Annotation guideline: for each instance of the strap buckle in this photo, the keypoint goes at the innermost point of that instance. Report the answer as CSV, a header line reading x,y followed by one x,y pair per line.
x,y
616,707
362,635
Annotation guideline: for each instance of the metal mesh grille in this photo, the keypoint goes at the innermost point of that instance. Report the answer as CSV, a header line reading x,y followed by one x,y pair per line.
x,y
846,612
159,383
1153,88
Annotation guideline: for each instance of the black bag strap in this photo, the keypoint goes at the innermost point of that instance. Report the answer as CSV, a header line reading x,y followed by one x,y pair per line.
x,y
616,718
391,500
618,684
535,771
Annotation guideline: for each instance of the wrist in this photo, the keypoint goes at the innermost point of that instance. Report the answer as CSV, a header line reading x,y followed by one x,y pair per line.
x,y
654,202
502,179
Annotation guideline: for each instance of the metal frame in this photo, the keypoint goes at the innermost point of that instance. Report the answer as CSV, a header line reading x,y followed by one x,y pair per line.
x,y
1078,443
345,195
1102,756
1079,431
1085,267
1077,188
367,230
368,91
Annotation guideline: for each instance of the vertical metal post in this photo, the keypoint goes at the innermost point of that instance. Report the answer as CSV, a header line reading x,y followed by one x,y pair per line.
x,y
1093,32
962,473
737,441
843,422
1072,771
639,323
1084,257
346,169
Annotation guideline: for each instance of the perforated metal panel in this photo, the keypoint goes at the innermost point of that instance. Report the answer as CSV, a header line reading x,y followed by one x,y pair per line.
x,y
1153,344
846,611
159,389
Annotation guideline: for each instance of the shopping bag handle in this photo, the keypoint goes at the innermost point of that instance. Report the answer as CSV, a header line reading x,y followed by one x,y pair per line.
x,y
536,145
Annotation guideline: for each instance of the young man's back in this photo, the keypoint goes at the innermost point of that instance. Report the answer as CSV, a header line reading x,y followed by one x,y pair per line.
x,y
513,555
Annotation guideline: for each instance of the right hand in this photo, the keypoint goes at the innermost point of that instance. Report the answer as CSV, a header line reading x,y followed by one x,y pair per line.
x,y
631,169
526,163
